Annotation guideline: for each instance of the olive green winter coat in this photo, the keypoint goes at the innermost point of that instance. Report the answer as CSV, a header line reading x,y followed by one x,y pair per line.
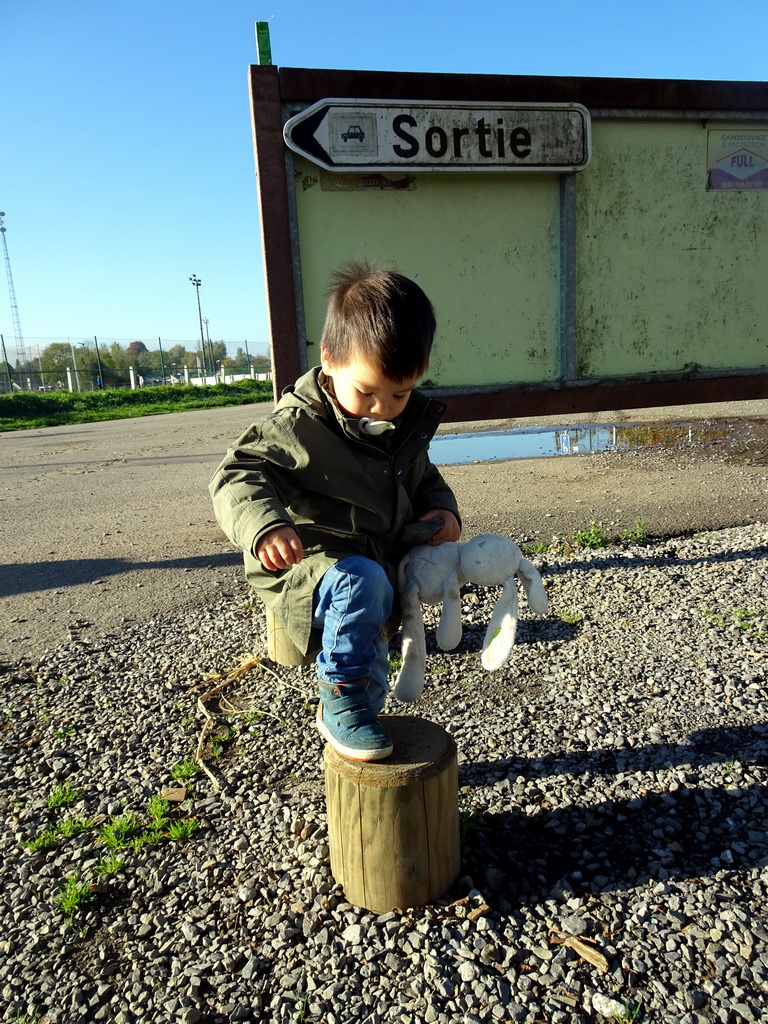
x,y
307,465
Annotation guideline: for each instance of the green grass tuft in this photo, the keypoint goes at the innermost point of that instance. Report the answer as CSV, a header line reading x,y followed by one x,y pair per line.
x,y
539,548
62,795
74,896
118,832
110,864
183,829
185,771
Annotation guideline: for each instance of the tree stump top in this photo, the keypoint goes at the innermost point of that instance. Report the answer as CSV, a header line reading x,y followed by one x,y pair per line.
x,y
421,749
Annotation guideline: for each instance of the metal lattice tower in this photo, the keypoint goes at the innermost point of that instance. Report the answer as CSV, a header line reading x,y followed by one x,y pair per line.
x,y
21,354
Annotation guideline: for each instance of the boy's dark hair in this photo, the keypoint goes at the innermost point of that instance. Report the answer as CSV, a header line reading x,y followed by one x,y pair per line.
x,y
380,317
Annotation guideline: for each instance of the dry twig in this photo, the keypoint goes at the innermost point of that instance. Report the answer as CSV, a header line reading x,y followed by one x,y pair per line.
x,y
579,946
244,666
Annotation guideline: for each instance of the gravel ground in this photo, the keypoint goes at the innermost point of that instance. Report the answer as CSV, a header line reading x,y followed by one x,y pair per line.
x,y
613,796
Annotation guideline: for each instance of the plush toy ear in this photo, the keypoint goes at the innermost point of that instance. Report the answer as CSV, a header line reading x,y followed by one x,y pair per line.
x,y
533,586
500,634
410,679
448,633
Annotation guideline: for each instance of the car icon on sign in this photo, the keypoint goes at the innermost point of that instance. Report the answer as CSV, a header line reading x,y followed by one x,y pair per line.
x,y
353,132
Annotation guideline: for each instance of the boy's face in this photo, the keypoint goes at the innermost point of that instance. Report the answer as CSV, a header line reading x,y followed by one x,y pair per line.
x,y
363,390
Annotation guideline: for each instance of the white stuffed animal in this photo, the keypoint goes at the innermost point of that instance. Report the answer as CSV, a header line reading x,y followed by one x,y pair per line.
x,y
430,575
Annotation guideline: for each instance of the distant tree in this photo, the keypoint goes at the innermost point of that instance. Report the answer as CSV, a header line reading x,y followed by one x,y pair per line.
x,y
177,354
115,356
55,358
219,350
136,349
114,364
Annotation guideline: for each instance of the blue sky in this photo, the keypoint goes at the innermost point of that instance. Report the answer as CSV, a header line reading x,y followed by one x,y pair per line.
x,y
127,163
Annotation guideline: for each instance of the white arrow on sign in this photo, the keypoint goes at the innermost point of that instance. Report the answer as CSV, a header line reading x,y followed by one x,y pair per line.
x,y
362,135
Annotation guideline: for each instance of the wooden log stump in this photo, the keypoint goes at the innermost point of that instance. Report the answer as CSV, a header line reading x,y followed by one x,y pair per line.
x,y
394,825
280,647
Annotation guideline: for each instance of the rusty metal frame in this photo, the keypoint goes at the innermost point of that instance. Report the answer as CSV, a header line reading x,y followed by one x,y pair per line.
x,y
277,93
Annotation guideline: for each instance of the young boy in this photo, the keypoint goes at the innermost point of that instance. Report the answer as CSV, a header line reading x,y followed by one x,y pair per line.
x,y
317,495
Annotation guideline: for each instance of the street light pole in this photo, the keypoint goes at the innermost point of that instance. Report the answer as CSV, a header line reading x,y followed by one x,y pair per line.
x,y
197,282
208,340
74,366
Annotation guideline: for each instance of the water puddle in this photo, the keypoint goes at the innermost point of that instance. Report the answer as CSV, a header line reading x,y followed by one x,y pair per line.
x,y
539,442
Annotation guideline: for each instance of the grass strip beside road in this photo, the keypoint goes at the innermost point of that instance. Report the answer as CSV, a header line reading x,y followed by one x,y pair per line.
x,y
27,409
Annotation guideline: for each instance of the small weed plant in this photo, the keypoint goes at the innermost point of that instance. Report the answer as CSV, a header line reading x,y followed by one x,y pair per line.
x,y
74,826
129,832
44,840
111,864
592,536
539,548
630,1015
637,534
74,896
118,833
746,620
157,811
183,829
185,771
61,734
252,717
63,794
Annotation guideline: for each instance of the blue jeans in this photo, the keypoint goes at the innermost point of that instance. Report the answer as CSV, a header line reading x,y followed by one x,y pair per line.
x,y
352,602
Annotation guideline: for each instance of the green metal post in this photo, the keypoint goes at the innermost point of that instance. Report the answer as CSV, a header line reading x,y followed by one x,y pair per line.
x,y
263,46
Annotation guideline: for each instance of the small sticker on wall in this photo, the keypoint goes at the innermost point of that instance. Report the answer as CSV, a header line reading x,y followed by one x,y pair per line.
x,y
737,159
374,181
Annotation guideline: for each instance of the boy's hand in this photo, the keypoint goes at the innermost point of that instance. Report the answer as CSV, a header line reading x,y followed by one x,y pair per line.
x,y
280,548
451,530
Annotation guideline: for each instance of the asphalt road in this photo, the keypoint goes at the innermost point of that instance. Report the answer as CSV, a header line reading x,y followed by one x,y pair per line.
x,y
105,523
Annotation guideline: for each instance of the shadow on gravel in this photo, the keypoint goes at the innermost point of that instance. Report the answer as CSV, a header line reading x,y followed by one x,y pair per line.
x,y
742,743
667,557
28,577
615,846
691,832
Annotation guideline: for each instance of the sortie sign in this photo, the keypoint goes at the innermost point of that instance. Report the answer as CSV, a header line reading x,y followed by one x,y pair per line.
x,y
366,135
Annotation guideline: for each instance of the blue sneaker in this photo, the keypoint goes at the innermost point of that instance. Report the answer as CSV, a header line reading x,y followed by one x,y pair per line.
x,y
345,719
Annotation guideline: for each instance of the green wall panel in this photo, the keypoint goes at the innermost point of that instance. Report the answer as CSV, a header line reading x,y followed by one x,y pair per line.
x,y
669,275
485,248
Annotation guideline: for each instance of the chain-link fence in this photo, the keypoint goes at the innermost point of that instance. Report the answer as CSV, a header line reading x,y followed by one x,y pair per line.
x,y
45,364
